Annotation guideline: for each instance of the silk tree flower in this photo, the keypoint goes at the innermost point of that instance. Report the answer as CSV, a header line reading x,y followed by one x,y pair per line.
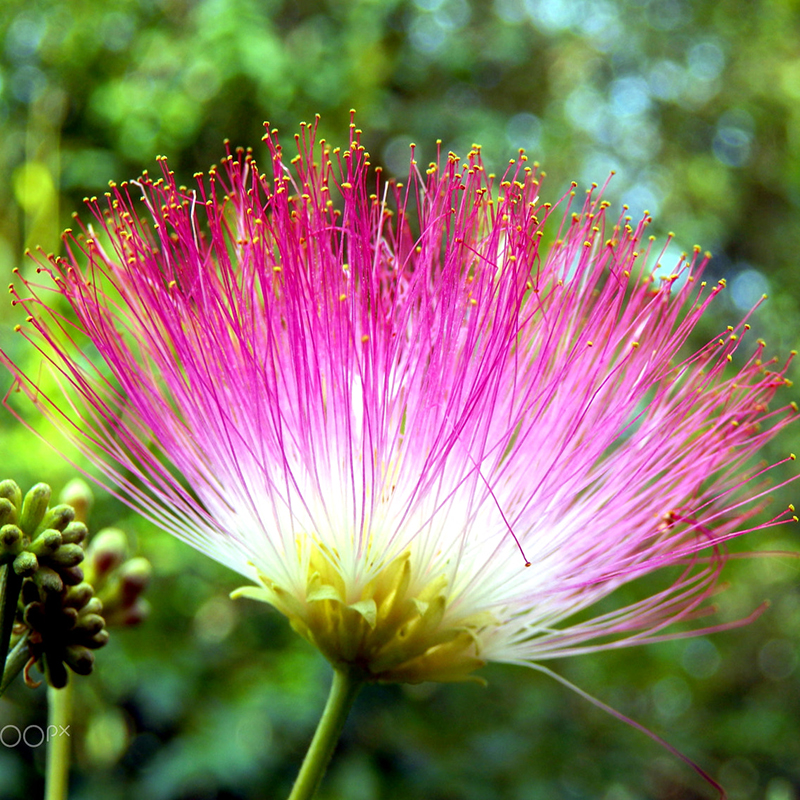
x,y
429,422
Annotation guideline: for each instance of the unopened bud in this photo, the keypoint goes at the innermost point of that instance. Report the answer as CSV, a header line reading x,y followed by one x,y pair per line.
x,y
100,639
74,533
8,512
34,615
30,593
26,564
47,579
80,658
134,576
46,543
68,555
90,624
78,596
11,492
93,606
71,576
106,552
92,639
69,618
78,495
55,672
134,615
11,539
34,507
58,517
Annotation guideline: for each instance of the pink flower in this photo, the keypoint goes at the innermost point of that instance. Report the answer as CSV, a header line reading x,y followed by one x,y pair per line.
x,y
429,422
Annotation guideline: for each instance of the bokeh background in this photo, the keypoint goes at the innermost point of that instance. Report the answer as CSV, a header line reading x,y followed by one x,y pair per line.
x,y
695,105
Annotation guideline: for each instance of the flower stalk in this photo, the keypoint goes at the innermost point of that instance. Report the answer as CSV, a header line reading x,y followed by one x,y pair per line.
x,y
10,586
344,690
45,604
15,661
59,747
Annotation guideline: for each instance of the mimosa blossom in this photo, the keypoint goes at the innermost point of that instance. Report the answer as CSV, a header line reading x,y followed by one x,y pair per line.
x,y
429,422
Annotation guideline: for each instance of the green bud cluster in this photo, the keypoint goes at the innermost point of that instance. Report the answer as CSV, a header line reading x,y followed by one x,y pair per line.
x,y
42,547
66,626
39,542
118,580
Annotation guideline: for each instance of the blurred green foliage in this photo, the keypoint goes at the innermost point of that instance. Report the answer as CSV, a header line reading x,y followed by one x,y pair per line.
x,y
695,105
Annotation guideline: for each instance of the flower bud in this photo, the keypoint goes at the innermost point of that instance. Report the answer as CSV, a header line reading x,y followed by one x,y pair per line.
x,y
55,672
79,658
69,618
34,507
90,624
26,564
134,576
71,576
93,639
47,579
46,543
10,539
11,492
93,606
57,517
99,640
8,512
106,552
30,593
134,615
78,596
78,494
68,555
74,533
34,614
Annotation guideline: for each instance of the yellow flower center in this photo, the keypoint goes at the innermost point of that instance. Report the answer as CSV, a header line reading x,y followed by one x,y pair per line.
x,y
396,629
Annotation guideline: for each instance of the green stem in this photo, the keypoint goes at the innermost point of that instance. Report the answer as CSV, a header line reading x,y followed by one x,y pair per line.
x,y
343,693
59,703
15,662
11,584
